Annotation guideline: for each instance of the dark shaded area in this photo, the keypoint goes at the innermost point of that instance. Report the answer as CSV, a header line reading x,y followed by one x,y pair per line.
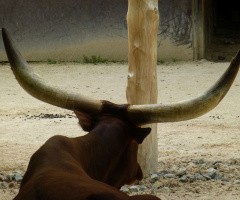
x,y
176,21
225,41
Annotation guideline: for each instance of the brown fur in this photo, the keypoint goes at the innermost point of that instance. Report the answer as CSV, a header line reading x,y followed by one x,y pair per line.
x,y
91,167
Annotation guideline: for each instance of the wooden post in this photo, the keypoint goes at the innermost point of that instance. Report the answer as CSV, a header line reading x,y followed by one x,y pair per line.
x,y
143,20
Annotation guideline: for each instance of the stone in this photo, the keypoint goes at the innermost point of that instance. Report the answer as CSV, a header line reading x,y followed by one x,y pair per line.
x,y
184,179
13,176
211,175
217,177
200,161
154,177
207,176
169,176
200,177
133,188
210,170
237,182
125,189
153,188
182,171
142,188
217,162
4,185
18,178
165,172
2,177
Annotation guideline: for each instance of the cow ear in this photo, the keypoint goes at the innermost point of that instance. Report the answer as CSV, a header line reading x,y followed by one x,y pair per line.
x,y
140,134
85,121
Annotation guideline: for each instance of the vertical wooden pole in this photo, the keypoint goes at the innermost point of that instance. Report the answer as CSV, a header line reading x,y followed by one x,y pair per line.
x,y
143,20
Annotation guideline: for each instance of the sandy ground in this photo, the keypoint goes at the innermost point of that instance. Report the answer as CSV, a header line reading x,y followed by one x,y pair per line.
x,y
214,136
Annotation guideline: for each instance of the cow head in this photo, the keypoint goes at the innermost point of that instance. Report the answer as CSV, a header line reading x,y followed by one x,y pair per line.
x,y
118,140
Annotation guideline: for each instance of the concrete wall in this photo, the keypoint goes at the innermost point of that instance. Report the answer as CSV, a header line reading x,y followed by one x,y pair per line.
x,y
68,29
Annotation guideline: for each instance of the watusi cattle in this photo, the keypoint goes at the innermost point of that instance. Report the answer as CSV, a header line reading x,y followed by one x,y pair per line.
x,y
96,165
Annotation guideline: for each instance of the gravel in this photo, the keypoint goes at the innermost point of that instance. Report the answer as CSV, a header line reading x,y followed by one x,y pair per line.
x,y
190,176
11,180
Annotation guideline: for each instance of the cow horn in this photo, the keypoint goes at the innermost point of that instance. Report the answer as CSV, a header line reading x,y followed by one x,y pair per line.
x,y
36,87
185,110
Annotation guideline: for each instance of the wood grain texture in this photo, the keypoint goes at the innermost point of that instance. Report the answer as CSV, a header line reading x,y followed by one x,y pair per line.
x,y
143,20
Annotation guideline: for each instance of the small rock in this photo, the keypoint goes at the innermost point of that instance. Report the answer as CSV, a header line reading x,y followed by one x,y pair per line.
x,y
143,188
169,176
165,172
153,188
200,161
4,185
165,188
211,172
182,171
154,177
217,165
237,182
125,189
184,179
18,178
217,177
133,188
225,180
2,177
10,177
217,162
207,176
200,177
13,176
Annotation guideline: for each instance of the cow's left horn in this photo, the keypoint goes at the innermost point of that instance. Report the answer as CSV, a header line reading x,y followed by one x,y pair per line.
x,y
185,110
36,87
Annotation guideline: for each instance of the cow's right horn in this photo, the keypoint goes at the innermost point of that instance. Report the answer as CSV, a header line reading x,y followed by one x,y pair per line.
x,y
189,109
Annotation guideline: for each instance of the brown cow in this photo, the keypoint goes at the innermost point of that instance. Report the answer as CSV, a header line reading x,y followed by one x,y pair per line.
x,y
96,165
85,167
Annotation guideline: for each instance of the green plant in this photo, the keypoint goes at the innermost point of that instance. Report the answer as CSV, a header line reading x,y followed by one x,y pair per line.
x,y
50,62
161,61
174,59
3,62
94,59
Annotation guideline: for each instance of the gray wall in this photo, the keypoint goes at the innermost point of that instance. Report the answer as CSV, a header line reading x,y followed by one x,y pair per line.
x,y
68,29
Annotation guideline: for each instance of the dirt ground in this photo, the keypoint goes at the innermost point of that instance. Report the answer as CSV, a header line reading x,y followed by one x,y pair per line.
x,y
25,125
